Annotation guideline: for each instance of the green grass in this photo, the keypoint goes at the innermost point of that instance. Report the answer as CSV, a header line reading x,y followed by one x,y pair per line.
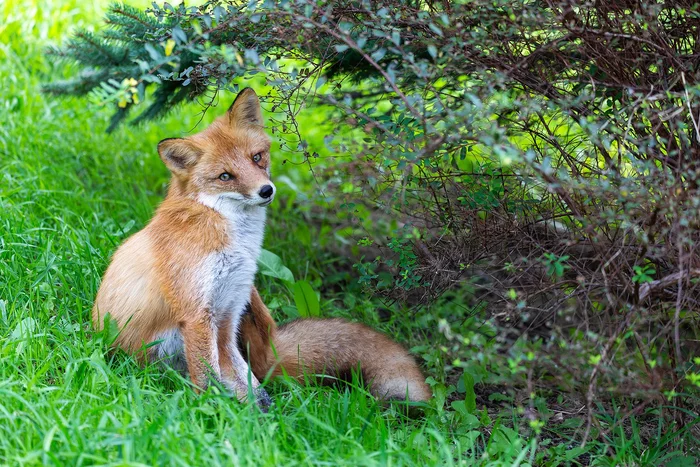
x,y
69,194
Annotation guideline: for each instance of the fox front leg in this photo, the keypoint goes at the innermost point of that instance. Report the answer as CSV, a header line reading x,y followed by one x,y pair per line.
x,y
201,351
235,371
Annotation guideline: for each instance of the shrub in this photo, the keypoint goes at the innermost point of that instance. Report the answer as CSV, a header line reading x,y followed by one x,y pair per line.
x,y
545,152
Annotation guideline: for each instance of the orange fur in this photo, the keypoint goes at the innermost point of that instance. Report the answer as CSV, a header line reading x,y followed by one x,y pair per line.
x,y
332,347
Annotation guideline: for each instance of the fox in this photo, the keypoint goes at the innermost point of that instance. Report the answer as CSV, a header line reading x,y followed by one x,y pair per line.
x,y
181,290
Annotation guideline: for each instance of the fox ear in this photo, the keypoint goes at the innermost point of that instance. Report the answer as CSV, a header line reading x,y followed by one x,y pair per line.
x,y
245,109
178,154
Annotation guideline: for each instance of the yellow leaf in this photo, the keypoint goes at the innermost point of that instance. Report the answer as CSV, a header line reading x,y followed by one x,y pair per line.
x,y
169,46
122,103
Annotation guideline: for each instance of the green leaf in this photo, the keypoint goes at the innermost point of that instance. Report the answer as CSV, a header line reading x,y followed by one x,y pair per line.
x,y
305,299
271,265
432,50
469,394
110,330
378,54
23,332
155,55
468,420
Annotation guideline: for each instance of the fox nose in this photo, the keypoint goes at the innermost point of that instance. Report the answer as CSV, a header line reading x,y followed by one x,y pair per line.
x,y
266,191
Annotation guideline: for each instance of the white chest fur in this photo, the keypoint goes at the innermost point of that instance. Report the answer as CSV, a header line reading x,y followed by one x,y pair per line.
x,y
225,277
232,270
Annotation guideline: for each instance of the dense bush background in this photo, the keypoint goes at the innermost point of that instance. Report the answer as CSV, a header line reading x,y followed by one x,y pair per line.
x,y
513,187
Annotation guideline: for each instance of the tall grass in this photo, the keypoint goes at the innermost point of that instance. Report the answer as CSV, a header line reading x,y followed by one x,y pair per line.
x,y
69,194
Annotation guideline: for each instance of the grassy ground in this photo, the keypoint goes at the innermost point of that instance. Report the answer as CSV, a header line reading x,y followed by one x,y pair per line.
x,y
69,194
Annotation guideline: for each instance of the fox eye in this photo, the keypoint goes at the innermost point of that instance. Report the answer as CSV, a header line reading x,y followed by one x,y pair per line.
x,y
225,177
257,157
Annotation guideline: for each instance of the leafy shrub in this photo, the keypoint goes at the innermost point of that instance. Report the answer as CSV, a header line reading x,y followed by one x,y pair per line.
x,y
545,153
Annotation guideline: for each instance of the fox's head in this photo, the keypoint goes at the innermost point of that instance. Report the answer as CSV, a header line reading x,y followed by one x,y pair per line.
x,y
226,164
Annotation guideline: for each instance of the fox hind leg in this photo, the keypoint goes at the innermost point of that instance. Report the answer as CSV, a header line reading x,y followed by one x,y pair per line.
x,y
170,350
256,333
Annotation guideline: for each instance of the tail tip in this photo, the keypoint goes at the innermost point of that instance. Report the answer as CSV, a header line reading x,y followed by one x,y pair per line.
x,y
401,389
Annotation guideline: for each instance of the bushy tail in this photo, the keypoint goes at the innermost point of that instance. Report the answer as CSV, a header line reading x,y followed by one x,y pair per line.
x,y
336,347
332,347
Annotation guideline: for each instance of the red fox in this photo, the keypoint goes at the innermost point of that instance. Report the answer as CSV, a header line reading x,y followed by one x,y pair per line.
x,y
181,289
